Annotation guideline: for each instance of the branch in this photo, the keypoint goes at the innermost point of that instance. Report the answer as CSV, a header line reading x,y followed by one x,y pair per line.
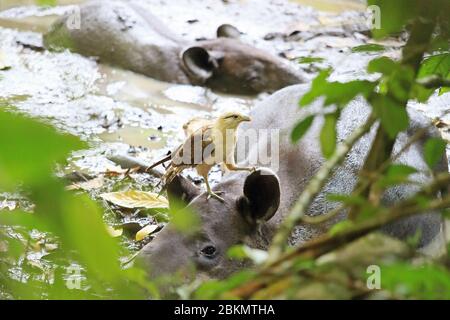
x,y
313,188
327,243
369,179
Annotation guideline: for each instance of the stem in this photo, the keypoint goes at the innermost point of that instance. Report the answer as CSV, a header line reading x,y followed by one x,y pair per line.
x,y
327,243
313,188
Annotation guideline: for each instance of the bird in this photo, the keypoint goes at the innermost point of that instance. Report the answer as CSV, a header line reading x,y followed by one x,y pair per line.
x,y
211,144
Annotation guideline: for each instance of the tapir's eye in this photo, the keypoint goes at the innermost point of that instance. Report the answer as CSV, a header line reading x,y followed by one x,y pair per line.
x,y
208,251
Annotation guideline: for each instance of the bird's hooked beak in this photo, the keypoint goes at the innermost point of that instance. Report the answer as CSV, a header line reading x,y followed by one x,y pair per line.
x,y
246,119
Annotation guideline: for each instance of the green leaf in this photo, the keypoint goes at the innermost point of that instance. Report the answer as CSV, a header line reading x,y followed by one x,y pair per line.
x,y
340,227
400,82
184,219
328,135
44,3
370,47
382,65
242,252
400,170
423,281
436,65
396,174
434,150
394,15
29,149
309,60
301,128
394,117
214,289
316,88
337,93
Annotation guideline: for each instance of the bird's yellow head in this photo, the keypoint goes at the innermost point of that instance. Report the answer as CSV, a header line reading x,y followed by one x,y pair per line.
x,y
231,120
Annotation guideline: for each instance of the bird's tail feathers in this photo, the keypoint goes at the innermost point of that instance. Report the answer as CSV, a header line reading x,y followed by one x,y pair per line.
x,y
159,162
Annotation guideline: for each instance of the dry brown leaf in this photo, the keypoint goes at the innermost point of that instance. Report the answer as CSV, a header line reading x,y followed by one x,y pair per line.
x,y
144,232
136,199
88,185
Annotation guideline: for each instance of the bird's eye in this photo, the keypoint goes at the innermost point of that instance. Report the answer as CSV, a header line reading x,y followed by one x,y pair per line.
x,y
235,117
209,251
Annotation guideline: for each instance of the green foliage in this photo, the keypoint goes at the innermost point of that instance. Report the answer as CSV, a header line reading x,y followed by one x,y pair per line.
x,y
394,15
371,47
301,128
216,289
437,65
336,93
308,60
28,152
50,3
20,149
393,116
416,282
396,174
328,135
382,65
434,149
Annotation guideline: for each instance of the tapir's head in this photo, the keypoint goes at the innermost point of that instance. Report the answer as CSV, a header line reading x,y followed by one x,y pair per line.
x,y
230,66
250,200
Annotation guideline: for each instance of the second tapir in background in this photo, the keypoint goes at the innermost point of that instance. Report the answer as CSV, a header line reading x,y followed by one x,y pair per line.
x,y
128,35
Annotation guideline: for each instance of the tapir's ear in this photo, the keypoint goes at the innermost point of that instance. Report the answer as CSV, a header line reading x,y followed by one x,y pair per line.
x,y
182,190
261,197
199,63
228,31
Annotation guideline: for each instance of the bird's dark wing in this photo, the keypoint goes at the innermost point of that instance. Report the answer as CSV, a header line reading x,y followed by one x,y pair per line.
x,y
192,151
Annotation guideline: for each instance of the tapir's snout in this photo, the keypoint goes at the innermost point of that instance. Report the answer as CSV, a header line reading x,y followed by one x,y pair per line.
x,y
166,256
250,199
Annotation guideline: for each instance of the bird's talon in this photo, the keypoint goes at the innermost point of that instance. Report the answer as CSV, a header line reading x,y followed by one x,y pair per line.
x,y
216,196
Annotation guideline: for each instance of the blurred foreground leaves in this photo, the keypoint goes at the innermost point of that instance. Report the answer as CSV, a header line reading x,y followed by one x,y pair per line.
x,y
28,152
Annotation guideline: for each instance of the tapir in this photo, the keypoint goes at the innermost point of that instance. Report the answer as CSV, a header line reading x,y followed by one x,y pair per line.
x,y
256,203
129,36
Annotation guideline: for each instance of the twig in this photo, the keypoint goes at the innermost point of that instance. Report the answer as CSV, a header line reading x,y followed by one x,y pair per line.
x,y
327,243
324,217
313,188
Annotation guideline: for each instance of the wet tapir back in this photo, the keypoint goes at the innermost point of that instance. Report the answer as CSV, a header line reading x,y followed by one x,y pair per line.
x,y
256,203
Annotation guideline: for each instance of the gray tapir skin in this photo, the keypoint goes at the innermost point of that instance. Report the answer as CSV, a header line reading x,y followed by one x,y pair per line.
x,y
127,35
256,203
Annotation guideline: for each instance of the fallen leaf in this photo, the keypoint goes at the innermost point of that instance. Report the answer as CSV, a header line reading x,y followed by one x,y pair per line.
x,y
114,232
144,232
120,172
136,199
88,185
